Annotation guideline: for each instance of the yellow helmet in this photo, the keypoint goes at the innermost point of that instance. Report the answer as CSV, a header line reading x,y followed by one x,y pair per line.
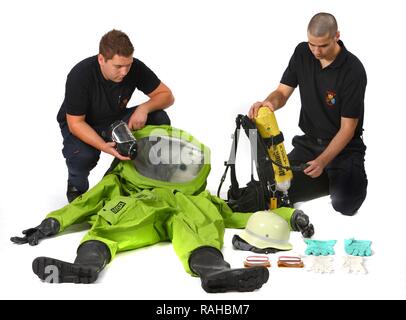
x,y
266,229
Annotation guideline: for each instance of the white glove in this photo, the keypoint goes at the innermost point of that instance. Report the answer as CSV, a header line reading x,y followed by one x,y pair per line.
x,y
354,264
322,264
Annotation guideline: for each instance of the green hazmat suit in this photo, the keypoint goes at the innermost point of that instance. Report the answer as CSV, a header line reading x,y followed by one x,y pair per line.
x,y
150,200
158,196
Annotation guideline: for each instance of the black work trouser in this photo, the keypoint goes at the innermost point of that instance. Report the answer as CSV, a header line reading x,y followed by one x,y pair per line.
x,y
81,158
344,178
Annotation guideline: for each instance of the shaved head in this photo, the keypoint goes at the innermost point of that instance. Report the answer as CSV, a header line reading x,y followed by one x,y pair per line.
x,y
322,24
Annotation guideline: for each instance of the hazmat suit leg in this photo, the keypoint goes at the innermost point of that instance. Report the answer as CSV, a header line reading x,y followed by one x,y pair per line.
x,y
217,276
197,234
124,223
92,257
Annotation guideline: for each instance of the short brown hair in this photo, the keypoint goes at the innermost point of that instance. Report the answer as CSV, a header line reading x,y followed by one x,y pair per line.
x,y
115,42
323,24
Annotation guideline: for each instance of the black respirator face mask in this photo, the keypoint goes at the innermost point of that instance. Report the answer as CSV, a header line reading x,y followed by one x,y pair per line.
x,y
126,144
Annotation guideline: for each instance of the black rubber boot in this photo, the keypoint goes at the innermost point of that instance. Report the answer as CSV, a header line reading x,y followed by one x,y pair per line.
x,y
217,276
92,257
300,222
72,193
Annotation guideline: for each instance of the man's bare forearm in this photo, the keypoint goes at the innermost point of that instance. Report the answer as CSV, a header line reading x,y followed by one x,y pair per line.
x,y
160,101
338,143
88,135
277,99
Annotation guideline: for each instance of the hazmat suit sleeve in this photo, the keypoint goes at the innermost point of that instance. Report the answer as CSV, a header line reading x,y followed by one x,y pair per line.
x,y
87,205
234,220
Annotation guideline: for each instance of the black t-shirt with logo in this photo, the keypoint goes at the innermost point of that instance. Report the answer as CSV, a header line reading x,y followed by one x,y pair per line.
x,y
327,94
103,101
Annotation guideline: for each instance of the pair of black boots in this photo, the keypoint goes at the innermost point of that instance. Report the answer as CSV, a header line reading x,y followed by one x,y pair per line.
x,y
207,262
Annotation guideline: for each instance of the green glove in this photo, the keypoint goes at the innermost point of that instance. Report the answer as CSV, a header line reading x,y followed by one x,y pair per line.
x,y
318,247
357,247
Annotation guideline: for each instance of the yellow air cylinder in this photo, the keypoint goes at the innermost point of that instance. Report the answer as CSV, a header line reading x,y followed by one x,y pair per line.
x,y
268,128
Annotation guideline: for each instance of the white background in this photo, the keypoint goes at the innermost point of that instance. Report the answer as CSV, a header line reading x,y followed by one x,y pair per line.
x,y
218,57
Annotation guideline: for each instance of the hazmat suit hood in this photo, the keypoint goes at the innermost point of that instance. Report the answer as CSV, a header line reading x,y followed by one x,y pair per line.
x,y
167,157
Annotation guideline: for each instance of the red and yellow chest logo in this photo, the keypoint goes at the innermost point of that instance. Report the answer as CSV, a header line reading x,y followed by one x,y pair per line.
x,y
331,98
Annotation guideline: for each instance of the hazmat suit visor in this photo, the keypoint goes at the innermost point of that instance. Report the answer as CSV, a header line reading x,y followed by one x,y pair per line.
x,y
168,159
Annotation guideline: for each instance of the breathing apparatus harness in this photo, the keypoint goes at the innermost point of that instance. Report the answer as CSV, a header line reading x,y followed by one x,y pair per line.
x,y
258,195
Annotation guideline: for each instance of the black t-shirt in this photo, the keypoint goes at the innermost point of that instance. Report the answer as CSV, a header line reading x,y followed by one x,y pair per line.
x,y
103,101
327,94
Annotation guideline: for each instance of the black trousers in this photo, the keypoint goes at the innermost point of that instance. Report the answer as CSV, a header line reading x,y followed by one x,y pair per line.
x,y
81,158
344,178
